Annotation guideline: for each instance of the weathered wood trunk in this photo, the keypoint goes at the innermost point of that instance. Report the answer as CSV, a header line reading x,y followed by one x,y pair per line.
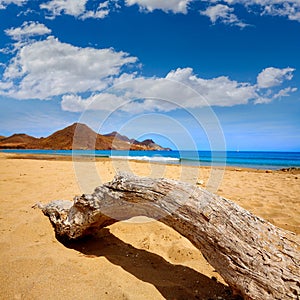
x,y
257,259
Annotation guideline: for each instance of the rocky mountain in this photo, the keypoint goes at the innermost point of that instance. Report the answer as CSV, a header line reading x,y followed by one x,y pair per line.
x,y
19,141
77,136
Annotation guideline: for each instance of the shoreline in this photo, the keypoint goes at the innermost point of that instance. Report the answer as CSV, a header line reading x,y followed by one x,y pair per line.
x,y
59,157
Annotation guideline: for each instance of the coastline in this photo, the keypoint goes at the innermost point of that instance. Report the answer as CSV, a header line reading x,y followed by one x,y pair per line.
x,y
260,160
58,157
132,260
274,161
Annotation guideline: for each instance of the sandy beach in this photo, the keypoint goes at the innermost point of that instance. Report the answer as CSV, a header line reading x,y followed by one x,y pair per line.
x,y
129,260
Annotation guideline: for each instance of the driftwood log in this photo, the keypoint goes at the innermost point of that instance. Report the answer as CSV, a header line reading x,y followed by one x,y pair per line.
x,y
257,259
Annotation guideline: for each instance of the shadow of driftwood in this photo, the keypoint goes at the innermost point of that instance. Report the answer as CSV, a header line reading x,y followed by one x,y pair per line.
x,y
172,281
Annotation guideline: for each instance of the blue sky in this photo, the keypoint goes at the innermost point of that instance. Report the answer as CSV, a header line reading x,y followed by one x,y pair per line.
x,y
190,74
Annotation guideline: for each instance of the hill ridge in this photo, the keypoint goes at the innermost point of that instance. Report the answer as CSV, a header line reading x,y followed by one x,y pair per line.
x,y
77,136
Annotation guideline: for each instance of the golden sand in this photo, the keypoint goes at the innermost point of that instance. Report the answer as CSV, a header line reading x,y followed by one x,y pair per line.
x,y
129,260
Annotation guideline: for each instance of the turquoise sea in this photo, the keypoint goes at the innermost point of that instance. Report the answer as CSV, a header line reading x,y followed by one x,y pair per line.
x,y
247,159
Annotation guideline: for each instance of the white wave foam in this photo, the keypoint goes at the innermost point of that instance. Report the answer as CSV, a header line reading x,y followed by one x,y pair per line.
x,y
148,158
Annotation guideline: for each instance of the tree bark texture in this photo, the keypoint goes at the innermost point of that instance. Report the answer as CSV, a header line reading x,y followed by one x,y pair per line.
x,y
257,259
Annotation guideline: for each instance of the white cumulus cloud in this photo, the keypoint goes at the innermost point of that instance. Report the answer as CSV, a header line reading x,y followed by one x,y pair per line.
x,y
27,29
285,92
103,101
223,14
98,79
289,9
5,85
175,6
101,12
78,9
220,91
271,77
180,88
68,7
47,68
283,8
5,3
